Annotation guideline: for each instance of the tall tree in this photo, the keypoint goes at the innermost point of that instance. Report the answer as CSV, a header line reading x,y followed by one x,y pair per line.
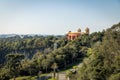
x,y
14,63
54,67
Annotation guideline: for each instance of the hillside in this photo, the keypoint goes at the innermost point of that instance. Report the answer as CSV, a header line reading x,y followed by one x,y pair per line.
x,y
103,63
98,52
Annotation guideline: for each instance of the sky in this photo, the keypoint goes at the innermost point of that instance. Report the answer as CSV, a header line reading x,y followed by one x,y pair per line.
x,y
56,17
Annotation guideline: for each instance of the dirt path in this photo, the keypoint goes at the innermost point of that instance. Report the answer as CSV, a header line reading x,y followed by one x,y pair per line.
x,y
62,76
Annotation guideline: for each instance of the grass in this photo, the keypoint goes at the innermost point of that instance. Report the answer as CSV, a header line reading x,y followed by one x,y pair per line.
x,y
52,79
29,77
25,78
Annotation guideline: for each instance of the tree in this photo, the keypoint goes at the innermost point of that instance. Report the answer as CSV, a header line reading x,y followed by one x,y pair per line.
x,y
14,63
103,60
54,67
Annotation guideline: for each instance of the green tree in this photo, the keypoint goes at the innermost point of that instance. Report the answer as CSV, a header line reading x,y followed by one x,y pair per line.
x,y
54,67
103,63
14,63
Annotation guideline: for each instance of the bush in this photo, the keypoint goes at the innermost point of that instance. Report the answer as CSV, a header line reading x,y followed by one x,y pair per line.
x,y
114,77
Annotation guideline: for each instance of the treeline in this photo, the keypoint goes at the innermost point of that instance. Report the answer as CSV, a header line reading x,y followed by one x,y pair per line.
x,y
28,45
104,61
46,52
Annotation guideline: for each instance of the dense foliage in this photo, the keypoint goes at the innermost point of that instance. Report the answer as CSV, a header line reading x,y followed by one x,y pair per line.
x,y
33,48
98,52
55,50
104,62
28,45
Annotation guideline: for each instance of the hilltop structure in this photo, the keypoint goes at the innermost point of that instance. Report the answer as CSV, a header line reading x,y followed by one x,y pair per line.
x,y
74,35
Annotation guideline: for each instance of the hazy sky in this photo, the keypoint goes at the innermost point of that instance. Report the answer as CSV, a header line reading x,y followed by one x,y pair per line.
x,y
57,16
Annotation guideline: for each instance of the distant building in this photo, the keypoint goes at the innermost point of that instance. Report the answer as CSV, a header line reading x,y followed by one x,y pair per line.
x,y
74,35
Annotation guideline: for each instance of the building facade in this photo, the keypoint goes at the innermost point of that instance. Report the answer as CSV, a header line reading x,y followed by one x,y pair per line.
x,y
73,35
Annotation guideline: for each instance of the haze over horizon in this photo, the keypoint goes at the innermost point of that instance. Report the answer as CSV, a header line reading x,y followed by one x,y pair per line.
x,y
57,16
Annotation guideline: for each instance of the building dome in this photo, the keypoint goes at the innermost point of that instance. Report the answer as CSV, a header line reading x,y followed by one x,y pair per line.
x,y
87,30
69,31
79,30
